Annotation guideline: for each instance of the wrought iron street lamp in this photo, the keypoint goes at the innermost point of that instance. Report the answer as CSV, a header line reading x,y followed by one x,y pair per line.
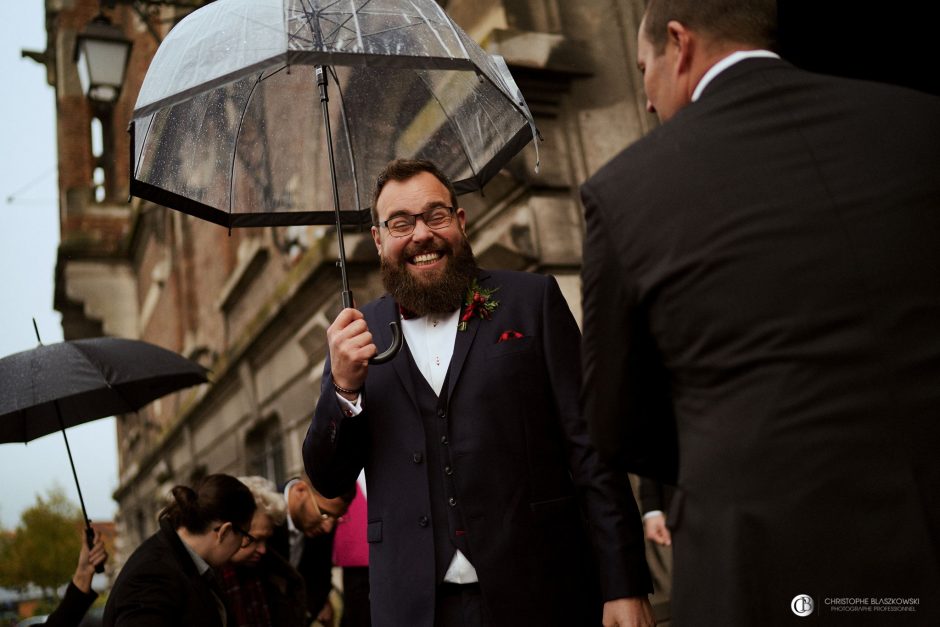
x,y
101,53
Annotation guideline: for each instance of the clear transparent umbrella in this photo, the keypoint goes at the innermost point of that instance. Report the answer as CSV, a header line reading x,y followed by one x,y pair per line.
x,y
250,107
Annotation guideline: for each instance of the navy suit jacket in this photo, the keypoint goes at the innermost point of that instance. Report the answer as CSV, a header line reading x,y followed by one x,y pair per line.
x,y
525,471
761,307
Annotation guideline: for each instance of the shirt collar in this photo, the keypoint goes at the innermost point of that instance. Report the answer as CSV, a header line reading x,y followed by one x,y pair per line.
x,y
201,565
727,62
291,528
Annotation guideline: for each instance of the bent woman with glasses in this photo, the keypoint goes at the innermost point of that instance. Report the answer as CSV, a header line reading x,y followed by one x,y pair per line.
x,y
169,580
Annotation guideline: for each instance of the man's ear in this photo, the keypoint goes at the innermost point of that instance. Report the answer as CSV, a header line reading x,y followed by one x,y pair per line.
x,y
377,238
680,38
462,219
224,529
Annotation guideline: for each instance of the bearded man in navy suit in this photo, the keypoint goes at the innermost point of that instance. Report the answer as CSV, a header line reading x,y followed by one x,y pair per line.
x,y
761,306
485,496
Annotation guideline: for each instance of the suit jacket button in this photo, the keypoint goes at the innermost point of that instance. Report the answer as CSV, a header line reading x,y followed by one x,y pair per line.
x,y
441,413
452,501
448,470
423,521
417,458
444,440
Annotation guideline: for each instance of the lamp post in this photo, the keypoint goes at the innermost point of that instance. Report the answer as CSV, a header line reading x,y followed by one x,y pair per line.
x,y
101,53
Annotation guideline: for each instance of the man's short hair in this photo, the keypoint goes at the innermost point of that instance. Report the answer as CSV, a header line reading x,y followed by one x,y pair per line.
x,y
402,170
752,22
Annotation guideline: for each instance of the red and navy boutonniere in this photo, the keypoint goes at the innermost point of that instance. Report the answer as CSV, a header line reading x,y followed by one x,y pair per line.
x,y
479,303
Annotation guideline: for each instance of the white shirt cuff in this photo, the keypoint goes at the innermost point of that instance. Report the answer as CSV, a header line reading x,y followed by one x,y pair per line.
x,y
350,408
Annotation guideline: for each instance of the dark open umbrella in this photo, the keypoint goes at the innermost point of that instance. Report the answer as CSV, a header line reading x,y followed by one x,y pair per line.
x,y
235,120
50,388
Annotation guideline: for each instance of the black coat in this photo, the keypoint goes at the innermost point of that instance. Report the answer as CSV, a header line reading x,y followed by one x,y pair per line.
x,y
523,469
159,586
72,608
762,324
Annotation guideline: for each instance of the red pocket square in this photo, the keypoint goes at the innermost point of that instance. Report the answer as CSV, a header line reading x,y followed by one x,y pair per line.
x,y
511,334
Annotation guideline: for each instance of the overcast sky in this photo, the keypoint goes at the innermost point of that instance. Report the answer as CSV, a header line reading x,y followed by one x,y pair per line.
x,y
28,241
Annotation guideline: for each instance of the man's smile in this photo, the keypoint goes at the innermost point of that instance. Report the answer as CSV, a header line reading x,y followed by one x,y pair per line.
x,y
426,259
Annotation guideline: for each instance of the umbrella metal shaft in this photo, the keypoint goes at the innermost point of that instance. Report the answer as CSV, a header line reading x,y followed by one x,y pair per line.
x,y
325,105
89,532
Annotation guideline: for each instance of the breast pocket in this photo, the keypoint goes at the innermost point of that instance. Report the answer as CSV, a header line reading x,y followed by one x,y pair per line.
x,y
510,347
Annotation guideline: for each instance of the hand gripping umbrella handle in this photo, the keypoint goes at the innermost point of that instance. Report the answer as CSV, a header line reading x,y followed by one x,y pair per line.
x,y
397,338
90,541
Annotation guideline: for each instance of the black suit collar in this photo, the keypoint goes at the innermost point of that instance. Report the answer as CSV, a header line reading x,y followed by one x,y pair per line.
x,y
740,69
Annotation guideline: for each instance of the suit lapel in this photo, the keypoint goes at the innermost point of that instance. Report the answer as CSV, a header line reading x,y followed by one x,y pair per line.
x,y
462,344
387,312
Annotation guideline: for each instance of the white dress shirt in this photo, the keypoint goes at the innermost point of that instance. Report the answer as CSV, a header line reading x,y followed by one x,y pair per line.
x,y
295,537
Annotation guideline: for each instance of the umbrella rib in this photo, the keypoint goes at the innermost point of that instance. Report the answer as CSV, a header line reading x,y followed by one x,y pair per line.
x,y
354,15
437,35
349,143
238,130
450,120
340,25
450,23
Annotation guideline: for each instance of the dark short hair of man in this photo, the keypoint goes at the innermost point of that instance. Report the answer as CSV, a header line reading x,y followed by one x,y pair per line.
x,y
402,170
751,22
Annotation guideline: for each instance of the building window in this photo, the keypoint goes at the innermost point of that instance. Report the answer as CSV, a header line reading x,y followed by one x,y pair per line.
x,y
264,445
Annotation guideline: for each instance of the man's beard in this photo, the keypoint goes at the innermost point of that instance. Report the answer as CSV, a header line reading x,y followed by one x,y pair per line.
x,y
443,294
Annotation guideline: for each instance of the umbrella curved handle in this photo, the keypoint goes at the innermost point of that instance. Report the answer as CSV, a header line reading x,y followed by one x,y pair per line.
x,y
391,351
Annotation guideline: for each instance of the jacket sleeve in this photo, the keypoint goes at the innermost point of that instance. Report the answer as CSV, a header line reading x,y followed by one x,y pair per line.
x,y
605,496
626,396
72,608
335,447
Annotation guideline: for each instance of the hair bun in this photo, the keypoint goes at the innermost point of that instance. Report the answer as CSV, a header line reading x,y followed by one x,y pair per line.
x,y
186,503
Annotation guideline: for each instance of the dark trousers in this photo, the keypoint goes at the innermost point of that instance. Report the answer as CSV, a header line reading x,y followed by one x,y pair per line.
x,y
459,605
356,597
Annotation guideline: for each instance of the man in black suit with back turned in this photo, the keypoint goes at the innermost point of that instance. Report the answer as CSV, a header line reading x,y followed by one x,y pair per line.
x,y
761,304
477,460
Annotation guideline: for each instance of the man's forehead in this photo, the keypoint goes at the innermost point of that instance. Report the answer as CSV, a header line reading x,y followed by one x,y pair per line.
x,y
417,193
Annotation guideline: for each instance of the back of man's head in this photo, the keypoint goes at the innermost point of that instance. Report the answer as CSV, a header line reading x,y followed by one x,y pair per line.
x,y
749,22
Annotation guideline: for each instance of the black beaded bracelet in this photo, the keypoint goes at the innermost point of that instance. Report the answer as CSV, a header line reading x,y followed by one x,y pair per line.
x,y
343,390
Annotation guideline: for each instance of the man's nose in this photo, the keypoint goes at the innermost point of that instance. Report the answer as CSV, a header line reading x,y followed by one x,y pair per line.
x,y
421,232
649,106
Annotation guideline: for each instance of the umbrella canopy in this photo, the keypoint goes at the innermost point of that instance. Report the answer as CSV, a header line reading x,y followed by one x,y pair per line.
x,y
83,380
228,125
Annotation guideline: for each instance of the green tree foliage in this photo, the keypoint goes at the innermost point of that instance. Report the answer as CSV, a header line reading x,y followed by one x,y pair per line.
x,y
43,549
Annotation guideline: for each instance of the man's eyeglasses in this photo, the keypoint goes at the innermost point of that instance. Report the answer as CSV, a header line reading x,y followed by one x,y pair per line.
x,y
403,224
325,516
247,538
